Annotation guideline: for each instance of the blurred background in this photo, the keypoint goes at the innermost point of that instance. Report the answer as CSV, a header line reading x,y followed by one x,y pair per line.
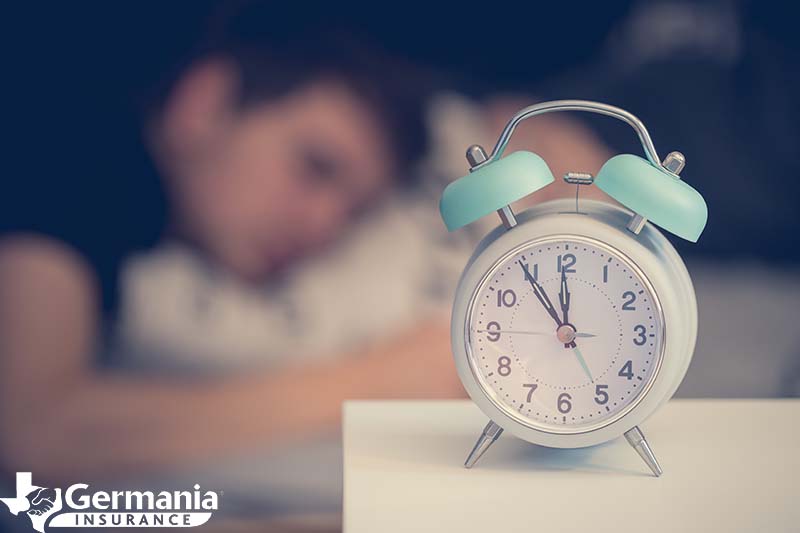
x,y
219,219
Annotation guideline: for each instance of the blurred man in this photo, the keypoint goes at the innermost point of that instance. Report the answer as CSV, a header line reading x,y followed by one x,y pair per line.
x,y
258,152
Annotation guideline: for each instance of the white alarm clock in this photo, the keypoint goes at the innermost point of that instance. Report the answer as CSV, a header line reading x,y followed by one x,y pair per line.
x,y
574,320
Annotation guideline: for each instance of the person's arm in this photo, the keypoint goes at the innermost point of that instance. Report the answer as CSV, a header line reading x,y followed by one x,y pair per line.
x,y
60,416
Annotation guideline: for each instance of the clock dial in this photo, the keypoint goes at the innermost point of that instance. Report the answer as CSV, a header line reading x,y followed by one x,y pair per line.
x,y
565,334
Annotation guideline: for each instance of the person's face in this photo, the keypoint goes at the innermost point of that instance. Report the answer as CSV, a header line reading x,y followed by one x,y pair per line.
x,y
271,183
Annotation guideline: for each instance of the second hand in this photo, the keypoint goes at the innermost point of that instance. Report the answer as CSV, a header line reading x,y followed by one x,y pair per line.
x,y
528,332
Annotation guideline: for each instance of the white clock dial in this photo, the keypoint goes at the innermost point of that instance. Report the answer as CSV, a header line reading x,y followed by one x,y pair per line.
x,y
565,334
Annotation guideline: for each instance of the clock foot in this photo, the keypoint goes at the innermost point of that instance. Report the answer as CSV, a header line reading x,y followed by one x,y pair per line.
x,y
636,439
487,438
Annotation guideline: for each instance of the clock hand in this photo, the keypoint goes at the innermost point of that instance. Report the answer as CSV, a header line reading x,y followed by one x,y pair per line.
x,y
564,296
538,290
582,361
528,332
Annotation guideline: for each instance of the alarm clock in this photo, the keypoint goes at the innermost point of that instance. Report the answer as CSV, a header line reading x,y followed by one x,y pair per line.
x,y
574,320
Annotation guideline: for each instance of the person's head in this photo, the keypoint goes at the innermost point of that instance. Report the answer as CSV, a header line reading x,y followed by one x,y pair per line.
x,y
270,145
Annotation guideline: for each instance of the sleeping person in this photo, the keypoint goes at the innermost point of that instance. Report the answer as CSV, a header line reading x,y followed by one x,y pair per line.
x,y
205,282
257,155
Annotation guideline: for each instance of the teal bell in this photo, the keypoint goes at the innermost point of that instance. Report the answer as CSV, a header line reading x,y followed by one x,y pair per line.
x,y
492,186
649,188
655,193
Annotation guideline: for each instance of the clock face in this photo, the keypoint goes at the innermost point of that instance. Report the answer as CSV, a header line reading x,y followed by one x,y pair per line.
x,y
565,334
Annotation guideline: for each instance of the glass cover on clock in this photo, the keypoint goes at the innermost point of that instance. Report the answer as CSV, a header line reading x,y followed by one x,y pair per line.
x,y
565,334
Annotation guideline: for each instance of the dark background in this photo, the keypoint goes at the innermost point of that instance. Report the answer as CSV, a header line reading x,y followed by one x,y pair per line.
x,y
78,75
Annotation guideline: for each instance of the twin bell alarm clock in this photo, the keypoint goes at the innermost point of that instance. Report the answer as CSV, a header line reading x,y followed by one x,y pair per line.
x,y
574,320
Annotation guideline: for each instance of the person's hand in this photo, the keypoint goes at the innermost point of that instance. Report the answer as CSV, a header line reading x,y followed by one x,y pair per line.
x,y
416,364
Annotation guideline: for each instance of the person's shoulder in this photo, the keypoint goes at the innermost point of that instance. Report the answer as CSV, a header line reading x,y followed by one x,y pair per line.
x,y
46,262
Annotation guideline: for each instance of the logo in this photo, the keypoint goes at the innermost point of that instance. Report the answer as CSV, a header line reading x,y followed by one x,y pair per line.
x,y
80,507
37,502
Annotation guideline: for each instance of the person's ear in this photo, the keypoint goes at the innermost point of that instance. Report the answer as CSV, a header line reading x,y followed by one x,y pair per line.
x,y
200,106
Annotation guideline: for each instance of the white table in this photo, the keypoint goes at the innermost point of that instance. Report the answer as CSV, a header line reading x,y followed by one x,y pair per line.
x,y
729,465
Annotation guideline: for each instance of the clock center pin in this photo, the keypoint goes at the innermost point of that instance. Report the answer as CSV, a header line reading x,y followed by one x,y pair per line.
x,y
566,333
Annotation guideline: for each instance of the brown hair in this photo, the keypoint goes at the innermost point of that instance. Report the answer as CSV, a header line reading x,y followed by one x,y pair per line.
x,y
275,55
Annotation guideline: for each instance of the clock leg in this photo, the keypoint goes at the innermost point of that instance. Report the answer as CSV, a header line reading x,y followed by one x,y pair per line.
x,y
487,438
636,439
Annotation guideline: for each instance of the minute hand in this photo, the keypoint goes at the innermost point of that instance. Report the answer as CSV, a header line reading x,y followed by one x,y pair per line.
x,y
563,296
538,290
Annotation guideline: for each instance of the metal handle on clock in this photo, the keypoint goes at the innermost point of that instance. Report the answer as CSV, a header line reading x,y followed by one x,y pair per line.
x,y
573,105
673,163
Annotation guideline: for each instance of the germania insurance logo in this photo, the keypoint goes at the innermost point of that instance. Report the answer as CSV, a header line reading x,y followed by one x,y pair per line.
x,y
81,507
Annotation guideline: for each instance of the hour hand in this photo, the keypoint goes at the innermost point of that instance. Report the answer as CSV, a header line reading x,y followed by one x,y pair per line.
x,y
538,290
